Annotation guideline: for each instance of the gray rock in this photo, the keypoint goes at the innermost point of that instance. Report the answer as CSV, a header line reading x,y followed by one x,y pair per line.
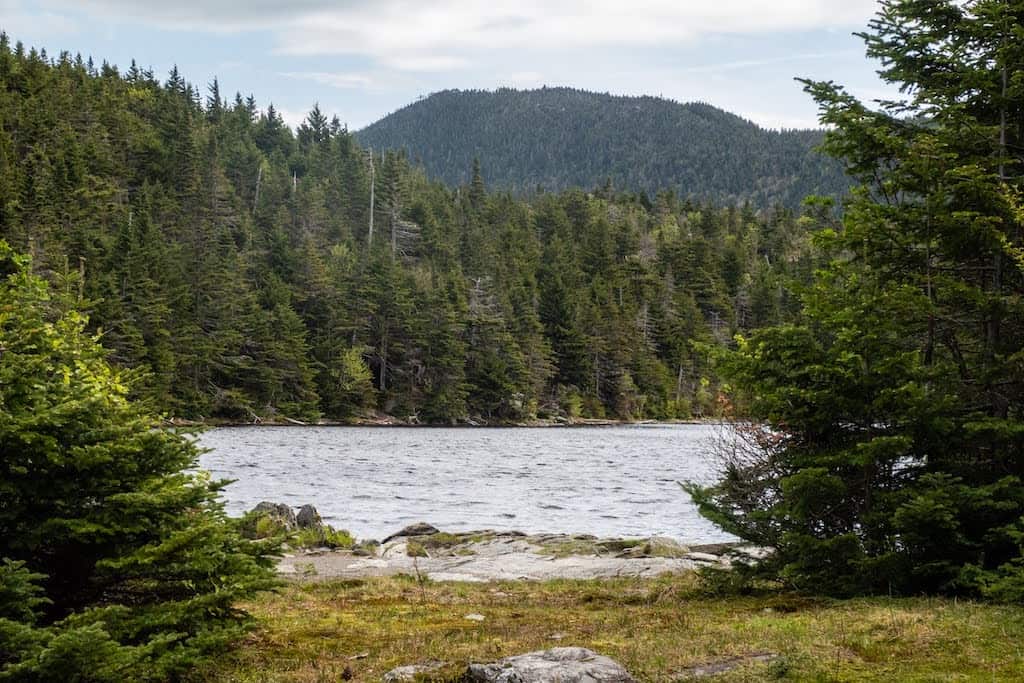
x,y
750,552
279,512
409,673
655,547
725,665
703,557
397,549
308,518
562,664
496,558
714,548
418,529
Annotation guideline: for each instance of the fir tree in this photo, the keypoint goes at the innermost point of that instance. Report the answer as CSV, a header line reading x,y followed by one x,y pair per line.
x,y
117,563
895,461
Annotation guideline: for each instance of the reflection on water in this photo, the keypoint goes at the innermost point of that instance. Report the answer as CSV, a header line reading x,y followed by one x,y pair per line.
x,y
606,481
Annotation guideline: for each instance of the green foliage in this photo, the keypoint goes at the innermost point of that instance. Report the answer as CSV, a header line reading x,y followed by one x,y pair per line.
x,y
229,263
261,525
324,537
893,459
118,564
560,138
353,384
416,549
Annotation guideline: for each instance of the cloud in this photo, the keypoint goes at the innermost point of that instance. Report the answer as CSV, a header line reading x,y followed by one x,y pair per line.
x,y
780,120
18,21
292,117
215,16
755,63
334,80
524,78
424,62
411,35
399,26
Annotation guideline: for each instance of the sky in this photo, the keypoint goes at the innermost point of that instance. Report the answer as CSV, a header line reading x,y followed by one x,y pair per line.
x,y
362,59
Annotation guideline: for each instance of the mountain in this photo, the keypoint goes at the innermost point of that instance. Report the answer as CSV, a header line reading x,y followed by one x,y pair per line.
x,y
558,138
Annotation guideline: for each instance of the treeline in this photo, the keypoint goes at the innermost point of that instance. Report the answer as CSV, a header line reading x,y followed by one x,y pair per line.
x,y
562,138
241,270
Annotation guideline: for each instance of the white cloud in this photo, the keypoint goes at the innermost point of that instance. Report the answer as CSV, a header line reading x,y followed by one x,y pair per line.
x,y
521,79
424,62
19,22
780,120
334,80
754,63
411,35
291,117
396,27
214,16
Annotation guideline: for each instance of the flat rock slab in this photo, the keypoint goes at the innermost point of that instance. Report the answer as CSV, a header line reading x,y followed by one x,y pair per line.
x,y
492,561
500,556
562,664
418,529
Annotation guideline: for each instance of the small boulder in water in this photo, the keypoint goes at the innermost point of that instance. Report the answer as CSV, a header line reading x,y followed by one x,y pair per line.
x,y
418,529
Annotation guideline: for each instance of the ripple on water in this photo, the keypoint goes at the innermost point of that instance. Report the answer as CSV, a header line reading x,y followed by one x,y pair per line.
x,y
597,481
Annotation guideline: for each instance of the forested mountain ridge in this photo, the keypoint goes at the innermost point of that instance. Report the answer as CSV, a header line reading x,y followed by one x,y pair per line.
x,y
240,268
559,138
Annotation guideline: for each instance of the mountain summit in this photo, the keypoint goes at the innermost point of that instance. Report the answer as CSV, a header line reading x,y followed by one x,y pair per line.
x,y
556,138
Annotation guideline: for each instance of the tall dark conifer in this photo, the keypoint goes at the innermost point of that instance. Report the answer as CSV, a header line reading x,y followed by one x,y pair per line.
x,y
898,460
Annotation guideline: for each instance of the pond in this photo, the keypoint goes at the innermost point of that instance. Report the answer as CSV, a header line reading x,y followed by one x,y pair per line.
x,y
606,481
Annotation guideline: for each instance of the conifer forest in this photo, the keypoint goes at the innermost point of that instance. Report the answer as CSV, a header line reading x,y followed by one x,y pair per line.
x,y
249,272
693,395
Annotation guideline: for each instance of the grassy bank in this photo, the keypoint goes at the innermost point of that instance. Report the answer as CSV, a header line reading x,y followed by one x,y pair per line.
x,y
658,629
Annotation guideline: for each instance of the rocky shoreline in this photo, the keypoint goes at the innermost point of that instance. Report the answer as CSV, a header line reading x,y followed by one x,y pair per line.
x,y
426,552
411,423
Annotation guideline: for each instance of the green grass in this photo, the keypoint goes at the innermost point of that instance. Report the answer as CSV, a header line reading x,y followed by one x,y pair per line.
x,y
318,631
326,537
258,525
415,549
568,547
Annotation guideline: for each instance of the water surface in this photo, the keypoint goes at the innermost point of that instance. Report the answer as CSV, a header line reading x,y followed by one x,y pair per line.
x,y
606,481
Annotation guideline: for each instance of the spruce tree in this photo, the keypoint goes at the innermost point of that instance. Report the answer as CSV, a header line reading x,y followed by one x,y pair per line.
x,y
118,562
895,458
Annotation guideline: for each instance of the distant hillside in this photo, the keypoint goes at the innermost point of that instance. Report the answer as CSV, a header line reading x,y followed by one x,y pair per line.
x,y
559,138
